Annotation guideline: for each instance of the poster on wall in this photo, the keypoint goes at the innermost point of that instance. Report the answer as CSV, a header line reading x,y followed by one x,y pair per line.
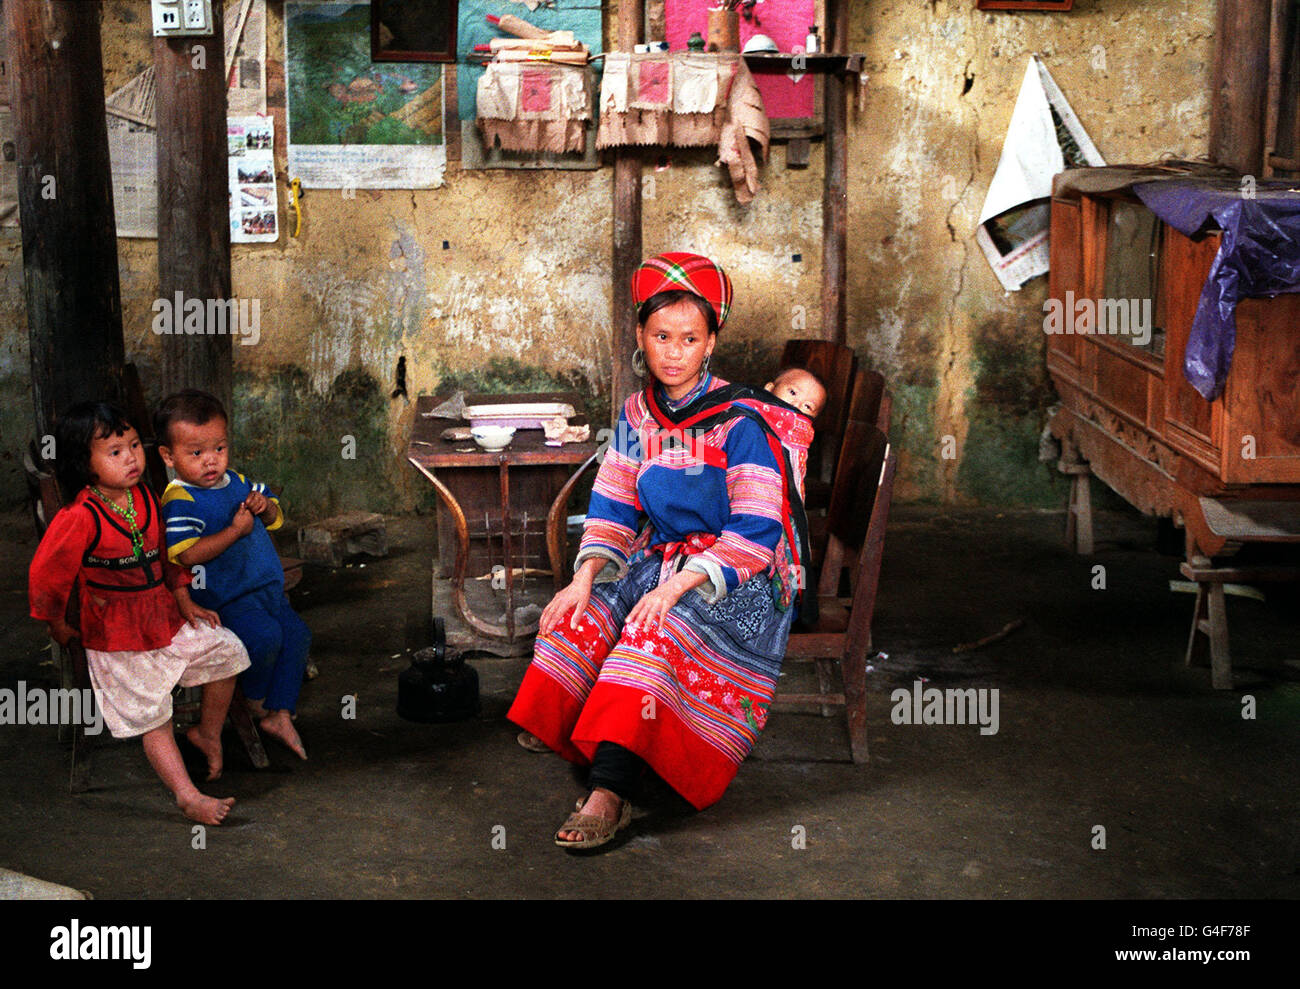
x,y
354,123
1044,137
132,151
132,121
245,29
8,171
253,214
8,151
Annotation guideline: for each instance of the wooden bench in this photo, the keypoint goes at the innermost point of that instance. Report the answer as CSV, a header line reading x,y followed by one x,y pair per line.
x,y
1227,525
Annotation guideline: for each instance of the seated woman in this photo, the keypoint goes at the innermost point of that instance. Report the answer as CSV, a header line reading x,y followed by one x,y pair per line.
x,y
665,648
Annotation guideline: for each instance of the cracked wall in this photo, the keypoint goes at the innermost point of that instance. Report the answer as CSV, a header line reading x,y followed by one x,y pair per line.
x,y
500,280
965,358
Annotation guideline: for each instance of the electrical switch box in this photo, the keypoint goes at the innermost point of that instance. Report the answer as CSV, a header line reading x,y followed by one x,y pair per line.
x,y
182,18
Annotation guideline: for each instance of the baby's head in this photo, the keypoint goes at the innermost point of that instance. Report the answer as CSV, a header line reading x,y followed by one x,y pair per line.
x,y
801,388
191,427
94,443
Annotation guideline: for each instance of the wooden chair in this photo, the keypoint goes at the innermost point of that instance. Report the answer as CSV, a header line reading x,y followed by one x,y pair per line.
x,y
45,499
870,401
856,520
836,365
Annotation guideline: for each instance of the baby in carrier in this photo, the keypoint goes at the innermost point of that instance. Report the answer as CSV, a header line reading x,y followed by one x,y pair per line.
x,y
786,408
803,391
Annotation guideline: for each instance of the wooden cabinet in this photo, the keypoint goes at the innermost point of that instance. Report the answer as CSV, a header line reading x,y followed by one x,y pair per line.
x,y
1127,408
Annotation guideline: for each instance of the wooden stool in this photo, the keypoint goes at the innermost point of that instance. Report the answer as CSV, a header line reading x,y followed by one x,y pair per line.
x,y
1078,522
1210,616
330,542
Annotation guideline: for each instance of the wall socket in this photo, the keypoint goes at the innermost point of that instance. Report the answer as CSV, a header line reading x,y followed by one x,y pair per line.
x,y
181,18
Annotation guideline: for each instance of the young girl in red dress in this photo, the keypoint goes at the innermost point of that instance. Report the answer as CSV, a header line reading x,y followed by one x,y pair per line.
x,y
141,632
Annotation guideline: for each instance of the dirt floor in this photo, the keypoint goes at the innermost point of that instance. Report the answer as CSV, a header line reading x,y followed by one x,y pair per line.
x,y
1100,726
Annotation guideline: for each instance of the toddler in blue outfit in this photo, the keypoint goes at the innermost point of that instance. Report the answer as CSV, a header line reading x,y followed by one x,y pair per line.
x,y
217,518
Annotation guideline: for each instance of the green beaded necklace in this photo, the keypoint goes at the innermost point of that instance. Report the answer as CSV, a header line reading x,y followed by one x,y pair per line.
x,y
137,537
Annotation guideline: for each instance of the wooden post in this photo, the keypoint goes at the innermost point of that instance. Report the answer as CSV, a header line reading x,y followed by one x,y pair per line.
x,y
65,199
835,195
627,234
193,218
1239,85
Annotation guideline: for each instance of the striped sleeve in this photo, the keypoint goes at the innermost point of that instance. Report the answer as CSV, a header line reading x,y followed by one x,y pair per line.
x,y
614,513
262,489
183,526
748,541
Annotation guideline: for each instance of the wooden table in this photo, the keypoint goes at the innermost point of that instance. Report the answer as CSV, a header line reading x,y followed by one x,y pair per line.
x,y
475,484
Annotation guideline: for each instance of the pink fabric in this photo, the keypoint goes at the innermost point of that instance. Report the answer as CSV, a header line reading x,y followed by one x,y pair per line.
x,y
134,688
785,22
652,82
536,95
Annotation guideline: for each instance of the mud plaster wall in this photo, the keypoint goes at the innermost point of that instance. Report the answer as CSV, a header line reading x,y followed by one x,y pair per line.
x,y
964,358
500,280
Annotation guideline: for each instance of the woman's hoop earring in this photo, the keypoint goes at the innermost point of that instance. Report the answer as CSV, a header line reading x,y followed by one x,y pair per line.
x,y
638,363
704,368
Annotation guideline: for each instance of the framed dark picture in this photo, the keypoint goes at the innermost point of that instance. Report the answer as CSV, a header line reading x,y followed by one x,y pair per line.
x,y
1024,4
413,30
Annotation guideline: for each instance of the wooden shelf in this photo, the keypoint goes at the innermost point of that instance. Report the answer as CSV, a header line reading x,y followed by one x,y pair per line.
x,y
796,128
816,62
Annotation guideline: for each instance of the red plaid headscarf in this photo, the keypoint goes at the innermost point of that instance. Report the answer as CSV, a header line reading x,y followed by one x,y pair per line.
x,y
690,272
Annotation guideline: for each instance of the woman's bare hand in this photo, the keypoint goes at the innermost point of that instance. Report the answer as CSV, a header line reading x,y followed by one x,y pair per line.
x,y
573,598
655,605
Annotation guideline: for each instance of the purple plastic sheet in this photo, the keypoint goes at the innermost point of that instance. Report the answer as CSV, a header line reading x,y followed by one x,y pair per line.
x,y
1259,256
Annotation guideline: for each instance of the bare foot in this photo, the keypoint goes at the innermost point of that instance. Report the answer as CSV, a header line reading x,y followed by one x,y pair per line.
x,y
205,809
279,725
210,747
602,803
256,710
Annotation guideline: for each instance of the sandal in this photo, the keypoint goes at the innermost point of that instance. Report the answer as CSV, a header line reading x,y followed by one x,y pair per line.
x,y
531,742
595,830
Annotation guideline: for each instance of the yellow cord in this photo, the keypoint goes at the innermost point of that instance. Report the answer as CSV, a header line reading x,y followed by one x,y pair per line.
x,y
295,200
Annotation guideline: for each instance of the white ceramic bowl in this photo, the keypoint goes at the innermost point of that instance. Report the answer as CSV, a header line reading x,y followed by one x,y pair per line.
x,y
493,438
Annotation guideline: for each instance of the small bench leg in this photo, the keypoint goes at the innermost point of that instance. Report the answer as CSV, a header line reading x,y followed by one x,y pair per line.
x,y
1081,514
1220,658
1198,615
1078,517
79,779
242,722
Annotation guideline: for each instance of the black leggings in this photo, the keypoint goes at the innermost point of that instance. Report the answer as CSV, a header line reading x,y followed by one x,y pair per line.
x,y
616,769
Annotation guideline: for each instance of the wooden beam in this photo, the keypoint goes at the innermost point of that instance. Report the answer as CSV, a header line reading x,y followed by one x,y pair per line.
x,y
1239,85
627,234
65,198
835,182
193,221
